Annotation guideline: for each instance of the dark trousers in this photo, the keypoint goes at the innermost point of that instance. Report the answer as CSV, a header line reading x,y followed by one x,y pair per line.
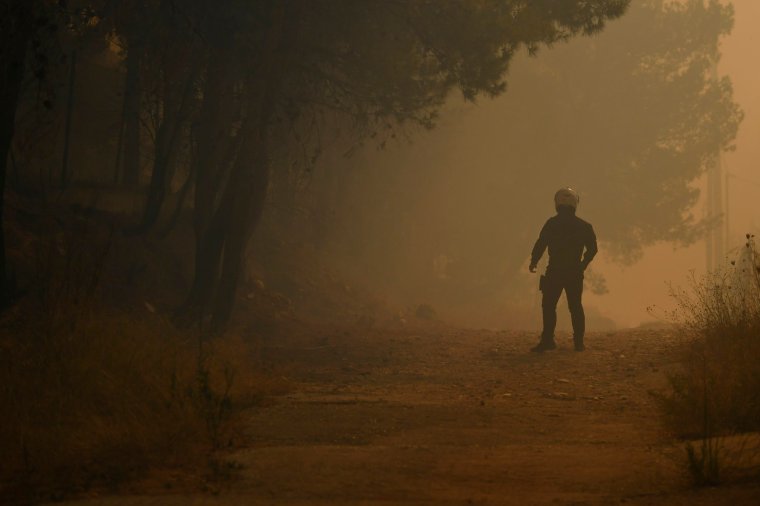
x,y
552,286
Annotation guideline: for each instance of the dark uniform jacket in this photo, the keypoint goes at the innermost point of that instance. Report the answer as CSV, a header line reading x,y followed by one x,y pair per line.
x,y
566,236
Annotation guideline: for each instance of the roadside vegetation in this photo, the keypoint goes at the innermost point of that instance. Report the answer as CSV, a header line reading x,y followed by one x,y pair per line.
x,y
715,396
98,396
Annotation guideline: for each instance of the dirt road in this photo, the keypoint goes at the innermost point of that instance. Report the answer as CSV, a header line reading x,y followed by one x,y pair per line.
x,y
445,416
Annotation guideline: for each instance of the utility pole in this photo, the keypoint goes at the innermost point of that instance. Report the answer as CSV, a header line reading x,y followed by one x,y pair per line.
x,y
708,217
69,109
726,211
716,236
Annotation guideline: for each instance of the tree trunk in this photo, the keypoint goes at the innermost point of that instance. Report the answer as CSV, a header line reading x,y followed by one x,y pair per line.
x,y
158,180
181,198
209,220
221,243
211,131
131,173
65,176
166,141
248,195
16,28
208,252
249,180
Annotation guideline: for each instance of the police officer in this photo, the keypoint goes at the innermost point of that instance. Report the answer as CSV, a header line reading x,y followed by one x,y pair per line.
x,y
566,236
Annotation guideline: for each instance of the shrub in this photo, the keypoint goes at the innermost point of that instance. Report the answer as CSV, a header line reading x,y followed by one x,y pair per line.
x,y
721,369
716,392
93,396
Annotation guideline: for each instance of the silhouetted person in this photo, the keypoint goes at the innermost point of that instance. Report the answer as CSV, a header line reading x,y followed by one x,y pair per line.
x,y
566,236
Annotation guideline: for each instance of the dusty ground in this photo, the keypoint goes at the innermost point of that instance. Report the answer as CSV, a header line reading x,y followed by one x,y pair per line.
x,y
444,416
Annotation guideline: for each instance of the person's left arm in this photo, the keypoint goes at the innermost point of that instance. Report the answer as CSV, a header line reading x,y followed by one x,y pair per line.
x,y
590,245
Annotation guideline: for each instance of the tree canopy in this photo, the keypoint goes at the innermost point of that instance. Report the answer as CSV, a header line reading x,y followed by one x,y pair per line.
x,y
213,88
630,117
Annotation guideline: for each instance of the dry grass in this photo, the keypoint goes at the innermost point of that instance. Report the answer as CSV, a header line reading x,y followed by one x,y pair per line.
x,y
717,391
93,397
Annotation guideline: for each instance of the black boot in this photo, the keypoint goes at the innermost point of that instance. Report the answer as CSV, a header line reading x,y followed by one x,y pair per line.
x,y
544,345
578,343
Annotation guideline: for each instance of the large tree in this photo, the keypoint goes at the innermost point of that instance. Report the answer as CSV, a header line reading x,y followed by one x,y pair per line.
x,y
224,84
380,64
20,21
631,117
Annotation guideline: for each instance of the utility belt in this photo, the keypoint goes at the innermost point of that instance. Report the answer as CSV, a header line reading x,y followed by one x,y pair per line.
x,y
557,275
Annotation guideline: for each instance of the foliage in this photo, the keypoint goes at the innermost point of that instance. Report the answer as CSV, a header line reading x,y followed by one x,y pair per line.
x,y
663,117
631,117
217,86
376,64
384,63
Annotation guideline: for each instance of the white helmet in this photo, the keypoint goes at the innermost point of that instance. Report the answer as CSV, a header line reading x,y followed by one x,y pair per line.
x,y
566,197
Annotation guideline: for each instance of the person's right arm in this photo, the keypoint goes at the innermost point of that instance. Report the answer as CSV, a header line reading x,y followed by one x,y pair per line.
x,y
591,247
539,248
